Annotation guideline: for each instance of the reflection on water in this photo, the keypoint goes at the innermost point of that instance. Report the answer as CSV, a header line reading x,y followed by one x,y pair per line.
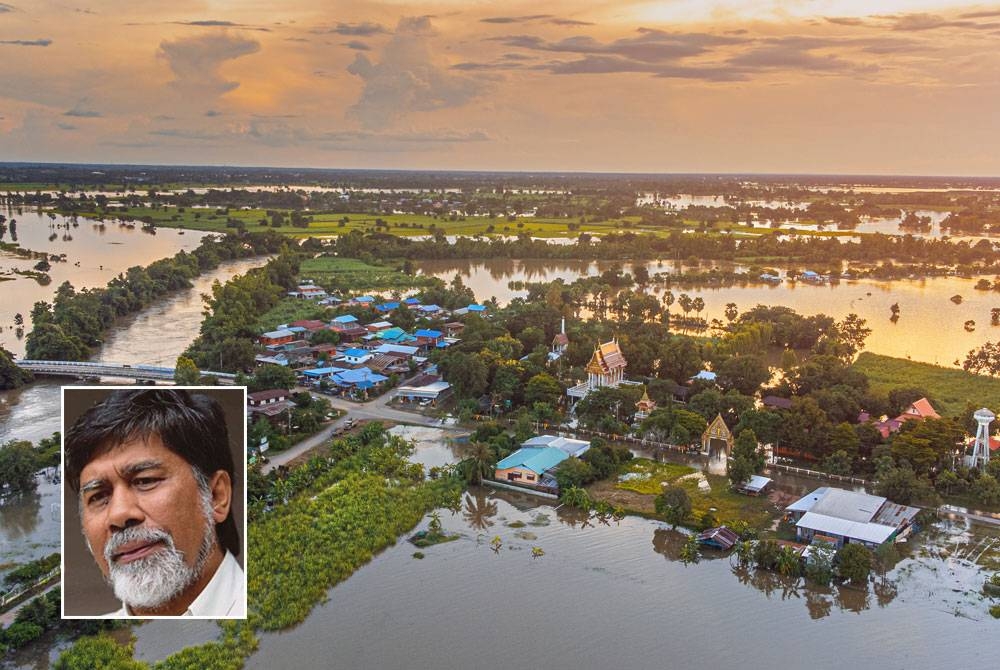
x,y
29,524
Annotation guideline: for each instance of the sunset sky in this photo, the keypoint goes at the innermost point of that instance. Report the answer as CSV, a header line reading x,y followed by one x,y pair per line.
x,y
822,86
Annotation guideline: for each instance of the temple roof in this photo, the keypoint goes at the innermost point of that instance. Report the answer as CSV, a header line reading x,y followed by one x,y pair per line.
x,y
607,358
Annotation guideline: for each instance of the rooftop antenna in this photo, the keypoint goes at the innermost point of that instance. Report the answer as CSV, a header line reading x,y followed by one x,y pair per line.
x,y
981,447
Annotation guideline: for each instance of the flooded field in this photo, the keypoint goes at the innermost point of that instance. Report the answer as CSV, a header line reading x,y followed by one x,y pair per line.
x,y
94,255
930,329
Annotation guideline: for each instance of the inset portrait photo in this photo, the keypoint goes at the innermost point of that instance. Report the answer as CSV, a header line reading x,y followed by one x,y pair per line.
x,y
154,502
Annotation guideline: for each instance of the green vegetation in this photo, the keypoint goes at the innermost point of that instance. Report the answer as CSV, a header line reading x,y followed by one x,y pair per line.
x,y
11,376
952,390
42,614
18,464
351,275
336,525
75,322
32,570
649,477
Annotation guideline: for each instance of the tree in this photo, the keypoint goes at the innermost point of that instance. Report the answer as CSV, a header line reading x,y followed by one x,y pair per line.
x,y
731,312
18,464
746,459
101,651
270,376
186,373
674,504
987,489
479,461
854,563
745,374
12,376
543,387
577,497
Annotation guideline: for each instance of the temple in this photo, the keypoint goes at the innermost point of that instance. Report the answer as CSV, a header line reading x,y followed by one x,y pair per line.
x,y
606,368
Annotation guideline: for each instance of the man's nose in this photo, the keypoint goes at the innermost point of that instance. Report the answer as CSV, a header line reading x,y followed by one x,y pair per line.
x,y
124,510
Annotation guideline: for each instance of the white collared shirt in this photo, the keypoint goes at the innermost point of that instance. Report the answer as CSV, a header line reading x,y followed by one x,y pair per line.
x,y
225,595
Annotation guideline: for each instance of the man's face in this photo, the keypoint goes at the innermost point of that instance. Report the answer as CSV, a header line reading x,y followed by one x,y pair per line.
x,y
142,511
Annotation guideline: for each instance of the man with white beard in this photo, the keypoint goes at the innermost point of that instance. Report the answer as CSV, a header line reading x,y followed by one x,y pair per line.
x,y
154,475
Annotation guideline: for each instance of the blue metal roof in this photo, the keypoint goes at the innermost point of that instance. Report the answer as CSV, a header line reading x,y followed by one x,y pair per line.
x,y
346,318
536,459
476,308
364,298
433,334
358,376
411,301
430,308
387,306
356,353
323,372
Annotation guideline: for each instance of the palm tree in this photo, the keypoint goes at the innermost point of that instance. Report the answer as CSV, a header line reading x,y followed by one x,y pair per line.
x,y
731,311
478,463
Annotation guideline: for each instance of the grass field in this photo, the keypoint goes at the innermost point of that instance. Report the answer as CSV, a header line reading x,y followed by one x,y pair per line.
x,y
949,389
352,274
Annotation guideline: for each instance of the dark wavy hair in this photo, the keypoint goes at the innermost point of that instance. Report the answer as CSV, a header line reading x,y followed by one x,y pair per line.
x,y
191,425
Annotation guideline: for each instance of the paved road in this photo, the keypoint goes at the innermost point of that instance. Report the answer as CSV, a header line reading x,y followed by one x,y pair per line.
x,y
373,410
7,618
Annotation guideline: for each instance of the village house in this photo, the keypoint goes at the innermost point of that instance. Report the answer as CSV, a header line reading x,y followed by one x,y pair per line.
x,y
343,322
918,410
378,326
530,466
355,356
840,517
569,445
271,404
386,307
428,338
426,389
276,337
307,289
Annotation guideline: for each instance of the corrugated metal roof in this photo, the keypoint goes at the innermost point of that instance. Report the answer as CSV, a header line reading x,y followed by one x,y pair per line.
x,y
805,503
849,505
536,459
875,533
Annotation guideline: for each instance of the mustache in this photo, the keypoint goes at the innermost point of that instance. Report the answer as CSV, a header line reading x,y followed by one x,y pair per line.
x,y
135,534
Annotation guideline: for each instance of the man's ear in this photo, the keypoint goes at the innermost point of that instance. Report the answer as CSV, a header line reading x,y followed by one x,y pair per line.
x,y
221,487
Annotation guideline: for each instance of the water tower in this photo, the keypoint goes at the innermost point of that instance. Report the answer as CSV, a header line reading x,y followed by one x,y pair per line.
x,y
981,447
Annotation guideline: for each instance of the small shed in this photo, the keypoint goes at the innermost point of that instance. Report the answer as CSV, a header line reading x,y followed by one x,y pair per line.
x,y
755,486
718,538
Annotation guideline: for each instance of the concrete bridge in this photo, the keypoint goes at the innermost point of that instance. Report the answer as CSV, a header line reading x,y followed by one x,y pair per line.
x,y
92,369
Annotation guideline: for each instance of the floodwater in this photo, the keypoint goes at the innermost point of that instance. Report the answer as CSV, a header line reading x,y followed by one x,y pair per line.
x,y
931,327
155,336
29,525
94,255
617,595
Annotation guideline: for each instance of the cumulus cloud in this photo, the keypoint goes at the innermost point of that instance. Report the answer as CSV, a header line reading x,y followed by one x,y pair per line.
x,y
408,78
27,43
357,45
195,62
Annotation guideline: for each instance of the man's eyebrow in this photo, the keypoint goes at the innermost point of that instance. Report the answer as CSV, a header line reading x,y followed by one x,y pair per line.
x,y
92,485
135,468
